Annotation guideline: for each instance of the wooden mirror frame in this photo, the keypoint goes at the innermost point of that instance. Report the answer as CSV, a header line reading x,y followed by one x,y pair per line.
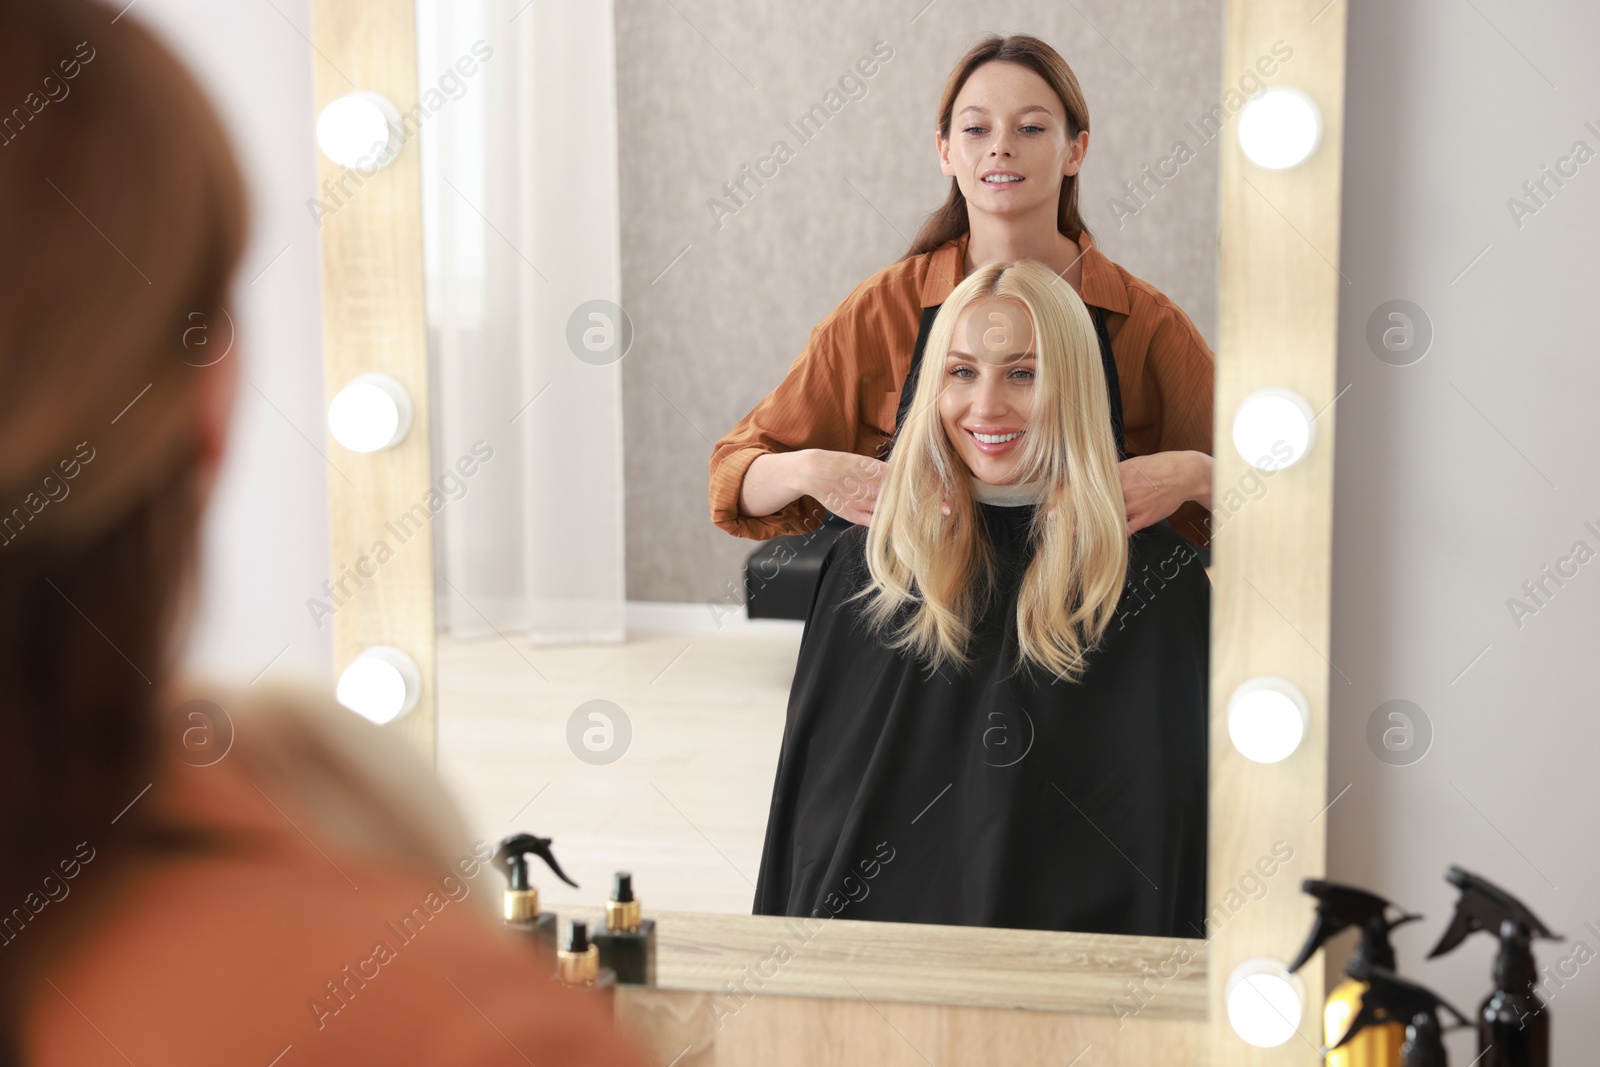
x,y
859,991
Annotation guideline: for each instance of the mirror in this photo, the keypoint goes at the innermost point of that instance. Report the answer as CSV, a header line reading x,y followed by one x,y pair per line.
x,y
631,229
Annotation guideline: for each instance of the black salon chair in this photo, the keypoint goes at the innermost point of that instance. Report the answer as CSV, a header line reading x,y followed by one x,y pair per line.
x,y
780,577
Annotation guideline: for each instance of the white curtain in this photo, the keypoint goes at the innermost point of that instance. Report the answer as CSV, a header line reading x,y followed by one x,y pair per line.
x,y
519,183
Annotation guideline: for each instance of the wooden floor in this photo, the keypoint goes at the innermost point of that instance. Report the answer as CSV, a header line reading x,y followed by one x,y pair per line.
x,y
684,808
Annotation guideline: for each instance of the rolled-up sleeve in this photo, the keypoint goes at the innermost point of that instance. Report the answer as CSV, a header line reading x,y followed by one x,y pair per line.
x,y
815,406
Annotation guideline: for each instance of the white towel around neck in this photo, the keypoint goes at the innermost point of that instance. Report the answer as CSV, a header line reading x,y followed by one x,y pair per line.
x,y
1009,496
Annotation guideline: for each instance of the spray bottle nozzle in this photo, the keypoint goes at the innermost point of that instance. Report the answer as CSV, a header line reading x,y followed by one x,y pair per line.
x,y
1389,998
1485,906
1341,906
512,857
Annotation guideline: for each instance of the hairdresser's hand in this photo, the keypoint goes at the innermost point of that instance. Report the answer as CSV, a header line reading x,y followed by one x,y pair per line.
x,y
845,483
1155,486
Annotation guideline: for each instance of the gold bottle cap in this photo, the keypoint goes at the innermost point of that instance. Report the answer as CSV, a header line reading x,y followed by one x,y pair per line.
x,y
521,905
577,968
623,916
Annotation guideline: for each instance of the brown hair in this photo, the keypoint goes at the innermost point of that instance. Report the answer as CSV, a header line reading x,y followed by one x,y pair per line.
x,y
123,216
950,220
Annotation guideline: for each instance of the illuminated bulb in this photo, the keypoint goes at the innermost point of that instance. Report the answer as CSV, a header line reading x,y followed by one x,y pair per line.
x,y
1265,1002
1267,719
372,412
381,684
1274,428
1280,128
360,130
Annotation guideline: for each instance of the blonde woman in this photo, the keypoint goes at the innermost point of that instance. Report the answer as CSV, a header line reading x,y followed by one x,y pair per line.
x,y
998,716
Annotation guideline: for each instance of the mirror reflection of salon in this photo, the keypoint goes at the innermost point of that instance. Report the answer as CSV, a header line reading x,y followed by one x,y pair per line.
x,y
668,741
998,715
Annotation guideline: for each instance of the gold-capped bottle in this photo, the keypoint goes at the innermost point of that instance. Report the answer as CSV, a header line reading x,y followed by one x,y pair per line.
x,y
1389,1000
1373,1044
521,899
627,940
578,963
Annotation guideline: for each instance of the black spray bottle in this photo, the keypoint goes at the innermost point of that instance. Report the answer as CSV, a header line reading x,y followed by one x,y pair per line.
x,y
1340,907
1513,1026
521,895
627,940
1389,998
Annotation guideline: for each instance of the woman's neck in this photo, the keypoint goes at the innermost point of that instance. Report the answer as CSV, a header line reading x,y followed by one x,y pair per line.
x,y
1002,243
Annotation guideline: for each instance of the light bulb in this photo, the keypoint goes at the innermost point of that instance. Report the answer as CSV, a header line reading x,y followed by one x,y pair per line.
x,y
1280,128
1265,1002
381,684
1267,719
1274,428
361,130
372,412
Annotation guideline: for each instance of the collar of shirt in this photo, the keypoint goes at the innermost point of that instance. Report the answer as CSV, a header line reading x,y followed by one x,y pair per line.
x,y
1101,285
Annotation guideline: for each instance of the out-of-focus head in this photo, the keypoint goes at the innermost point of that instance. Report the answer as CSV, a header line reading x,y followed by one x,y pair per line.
x,y
122,219
123,215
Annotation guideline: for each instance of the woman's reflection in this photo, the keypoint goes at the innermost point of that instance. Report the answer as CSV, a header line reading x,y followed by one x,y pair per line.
x,y
998,716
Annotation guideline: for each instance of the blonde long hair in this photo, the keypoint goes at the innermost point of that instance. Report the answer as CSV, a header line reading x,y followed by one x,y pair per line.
x,y
942,567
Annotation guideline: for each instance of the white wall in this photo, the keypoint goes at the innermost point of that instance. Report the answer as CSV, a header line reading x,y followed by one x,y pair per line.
x,y
1459,476
266,546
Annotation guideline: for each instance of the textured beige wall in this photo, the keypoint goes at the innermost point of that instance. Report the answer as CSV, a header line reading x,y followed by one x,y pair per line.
x,y
721,306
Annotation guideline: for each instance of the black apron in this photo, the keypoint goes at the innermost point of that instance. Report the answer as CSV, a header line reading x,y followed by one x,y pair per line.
x,y
1107,361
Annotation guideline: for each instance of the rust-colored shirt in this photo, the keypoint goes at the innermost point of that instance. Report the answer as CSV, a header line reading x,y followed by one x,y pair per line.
x,y
842,391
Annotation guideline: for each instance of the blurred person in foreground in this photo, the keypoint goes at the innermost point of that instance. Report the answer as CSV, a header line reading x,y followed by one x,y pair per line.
x,y
188,874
